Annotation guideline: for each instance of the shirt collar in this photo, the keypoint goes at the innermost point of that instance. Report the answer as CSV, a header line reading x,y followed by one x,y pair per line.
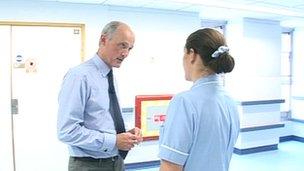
x,y
101,65
213,78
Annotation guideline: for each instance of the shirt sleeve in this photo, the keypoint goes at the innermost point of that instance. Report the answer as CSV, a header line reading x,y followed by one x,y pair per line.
x,y
70,124
176,135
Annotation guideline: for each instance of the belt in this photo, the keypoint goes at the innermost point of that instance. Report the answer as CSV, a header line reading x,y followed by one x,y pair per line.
x,y
91,159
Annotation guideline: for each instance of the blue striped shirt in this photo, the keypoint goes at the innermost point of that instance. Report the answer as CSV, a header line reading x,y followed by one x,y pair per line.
x,y
84,121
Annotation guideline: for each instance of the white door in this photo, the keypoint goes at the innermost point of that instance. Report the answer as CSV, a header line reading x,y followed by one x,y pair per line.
x,y
41,56
6,150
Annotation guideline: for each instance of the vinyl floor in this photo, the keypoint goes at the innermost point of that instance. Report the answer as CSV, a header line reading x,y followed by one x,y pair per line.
x,y
289,157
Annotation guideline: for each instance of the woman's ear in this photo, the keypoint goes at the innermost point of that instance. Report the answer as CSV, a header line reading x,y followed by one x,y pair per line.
x,y
193,56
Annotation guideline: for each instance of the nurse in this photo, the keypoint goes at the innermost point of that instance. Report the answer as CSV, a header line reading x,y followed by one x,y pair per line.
x,y
202,124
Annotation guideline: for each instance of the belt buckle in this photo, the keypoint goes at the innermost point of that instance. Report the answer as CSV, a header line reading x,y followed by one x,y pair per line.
x,y
113,159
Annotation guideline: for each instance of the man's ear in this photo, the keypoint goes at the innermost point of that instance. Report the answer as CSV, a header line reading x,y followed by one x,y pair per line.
x,y
102,40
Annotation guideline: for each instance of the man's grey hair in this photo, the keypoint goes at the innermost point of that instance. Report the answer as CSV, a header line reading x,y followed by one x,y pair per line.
x,y
110,28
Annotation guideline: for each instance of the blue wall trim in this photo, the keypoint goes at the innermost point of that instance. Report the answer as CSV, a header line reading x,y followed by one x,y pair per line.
x,y
300,139
257,128
297,97
127,110
260,102
286,138
297,120
255,149
142,165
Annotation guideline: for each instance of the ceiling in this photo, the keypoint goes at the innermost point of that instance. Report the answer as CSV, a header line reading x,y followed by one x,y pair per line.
x,y
290,12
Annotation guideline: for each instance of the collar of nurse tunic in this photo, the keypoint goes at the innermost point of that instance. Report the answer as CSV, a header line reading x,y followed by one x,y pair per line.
x,y
115,111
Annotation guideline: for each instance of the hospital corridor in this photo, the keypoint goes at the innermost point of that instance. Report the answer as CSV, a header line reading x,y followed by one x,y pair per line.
x,y
149,85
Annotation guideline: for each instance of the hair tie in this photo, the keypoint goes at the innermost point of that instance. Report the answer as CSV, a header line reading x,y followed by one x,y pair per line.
x,y
219,51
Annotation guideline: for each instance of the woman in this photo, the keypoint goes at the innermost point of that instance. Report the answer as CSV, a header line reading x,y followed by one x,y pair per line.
x,y
202,124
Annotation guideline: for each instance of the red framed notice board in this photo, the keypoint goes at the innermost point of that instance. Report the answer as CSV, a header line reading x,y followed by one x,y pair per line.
x,y
150,113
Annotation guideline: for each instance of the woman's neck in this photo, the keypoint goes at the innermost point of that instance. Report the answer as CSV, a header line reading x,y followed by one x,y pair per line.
x,y
201,74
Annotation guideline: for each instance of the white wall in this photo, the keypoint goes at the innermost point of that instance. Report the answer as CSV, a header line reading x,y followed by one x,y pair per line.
x,y
155,64
297,100
293,128
256,46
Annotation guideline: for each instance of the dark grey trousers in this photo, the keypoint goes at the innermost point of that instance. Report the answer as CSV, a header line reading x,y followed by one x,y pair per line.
x,y
90,164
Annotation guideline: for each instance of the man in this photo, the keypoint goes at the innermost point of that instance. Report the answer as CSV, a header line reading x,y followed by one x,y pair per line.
x,y
89,118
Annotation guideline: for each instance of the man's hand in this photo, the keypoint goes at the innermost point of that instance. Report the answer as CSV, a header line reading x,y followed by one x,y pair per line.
x,y
125,141
137,132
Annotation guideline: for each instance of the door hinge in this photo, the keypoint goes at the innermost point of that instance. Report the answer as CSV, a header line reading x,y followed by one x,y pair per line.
x,y
14,106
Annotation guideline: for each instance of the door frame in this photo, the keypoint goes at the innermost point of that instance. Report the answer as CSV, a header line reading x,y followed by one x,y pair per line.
x,y
50,24
34,24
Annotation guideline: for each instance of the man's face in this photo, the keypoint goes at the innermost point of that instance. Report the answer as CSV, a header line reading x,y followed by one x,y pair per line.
x,y
117,48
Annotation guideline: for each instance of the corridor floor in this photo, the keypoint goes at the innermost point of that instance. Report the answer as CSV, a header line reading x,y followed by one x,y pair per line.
x,y
289,157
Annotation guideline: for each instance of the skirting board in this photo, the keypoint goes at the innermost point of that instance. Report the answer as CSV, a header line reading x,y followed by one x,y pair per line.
x,y
292,138
268,147
147,164
255,149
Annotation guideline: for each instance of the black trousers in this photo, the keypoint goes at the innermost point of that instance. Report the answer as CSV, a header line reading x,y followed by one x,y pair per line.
x,y
90,164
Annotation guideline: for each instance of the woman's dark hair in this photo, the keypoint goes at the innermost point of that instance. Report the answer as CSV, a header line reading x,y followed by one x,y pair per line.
x,y
207,41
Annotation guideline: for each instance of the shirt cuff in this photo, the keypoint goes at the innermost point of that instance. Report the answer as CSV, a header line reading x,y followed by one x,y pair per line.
x,y
172,155
109,142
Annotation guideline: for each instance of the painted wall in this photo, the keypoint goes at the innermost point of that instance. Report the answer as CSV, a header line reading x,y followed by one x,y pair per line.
x,y
297,100
256,46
